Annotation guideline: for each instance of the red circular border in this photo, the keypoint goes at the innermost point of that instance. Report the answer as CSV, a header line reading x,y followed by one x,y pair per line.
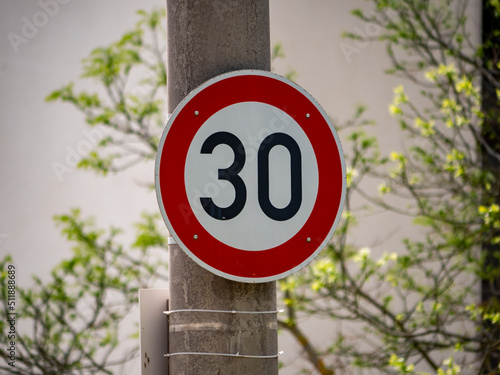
x,y
210,251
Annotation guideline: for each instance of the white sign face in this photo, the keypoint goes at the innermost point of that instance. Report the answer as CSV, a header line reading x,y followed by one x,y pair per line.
x,y
251,123
255,185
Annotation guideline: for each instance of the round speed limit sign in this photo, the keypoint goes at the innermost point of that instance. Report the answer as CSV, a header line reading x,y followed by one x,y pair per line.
x,y
250,176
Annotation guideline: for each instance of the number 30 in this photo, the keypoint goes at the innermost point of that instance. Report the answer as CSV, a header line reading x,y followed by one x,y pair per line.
x,y
230,174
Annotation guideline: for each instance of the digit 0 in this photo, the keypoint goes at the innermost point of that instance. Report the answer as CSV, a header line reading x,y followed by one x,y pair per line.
x,y
285,213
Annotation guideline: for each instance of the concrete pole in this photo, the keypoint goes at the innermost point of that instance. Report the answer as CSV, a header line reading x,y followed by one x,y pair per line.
x,y
207,38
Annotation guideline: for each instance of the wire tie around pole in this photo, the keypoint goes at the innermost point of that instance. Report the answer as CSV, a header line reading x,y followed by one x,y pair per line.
x,y
170,312
238,355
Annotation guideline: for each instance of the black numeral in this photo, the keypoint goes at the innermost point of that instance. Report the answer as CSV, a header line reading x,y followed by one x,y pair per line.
x,y
230,174
285,213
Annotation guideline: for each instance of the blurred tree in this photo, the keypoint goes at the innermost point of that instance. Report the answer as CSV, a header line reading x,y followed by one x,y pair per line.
x,y
408,309
75,323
